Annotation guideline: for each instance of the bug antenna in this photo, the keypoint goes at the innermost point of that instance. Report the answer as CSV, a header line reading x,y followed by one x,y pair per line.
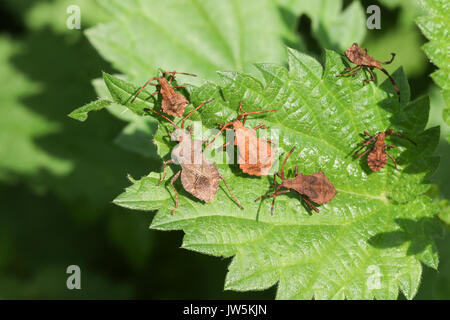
x,y
284,162
150,110
190,113
390,131
393,82
142,88
254,112
219,133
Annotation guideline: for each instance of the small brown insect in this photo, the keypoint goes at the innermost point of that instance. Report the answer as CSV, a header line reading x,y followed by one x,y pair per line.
x,y
317,187
361,58
173,103
377,158
199,176
252,159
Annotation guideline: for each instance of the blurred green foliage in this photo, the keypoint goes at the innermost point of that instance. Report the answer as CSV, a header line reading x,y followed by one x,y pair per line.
x,y
58,176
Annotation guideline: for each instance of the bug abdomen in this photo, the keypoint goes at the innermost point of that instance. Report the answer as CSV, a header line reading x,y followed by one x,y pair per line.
x,y
316,187
202,181
376,160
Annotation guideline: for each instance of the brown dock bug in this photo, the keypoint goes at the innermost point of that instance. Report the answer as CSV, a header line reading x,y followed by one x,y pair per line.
x,y
377,158
315,187
251,158
199,176
362,60
173,103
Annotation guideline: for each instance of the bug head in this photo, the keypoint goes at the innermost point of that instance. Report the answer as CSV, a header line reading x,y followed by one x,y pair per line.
x,y
179,134
354,53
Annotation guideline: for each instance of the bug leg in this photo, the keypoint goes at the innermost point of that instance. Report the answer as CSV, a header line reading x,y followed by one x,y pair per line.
x,y
366,51
296,170
175,177
274,180
364,143
224,146
156,92
390,61
392,81
355,71
242,110
310,204
271,195
231,193
351,69
269,141
362,154
393,160
164,171
179,87
372,77
390,146
274,196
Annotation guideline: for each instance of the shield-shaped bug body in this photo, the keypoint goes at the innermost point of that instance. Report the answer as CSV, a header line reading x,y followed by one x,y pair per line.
x,y
173,103
315,187
256,156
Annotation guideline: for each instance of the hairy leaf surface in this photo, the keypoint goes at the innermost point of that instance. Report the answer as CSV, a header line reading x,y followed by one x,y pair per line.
x,y
435,26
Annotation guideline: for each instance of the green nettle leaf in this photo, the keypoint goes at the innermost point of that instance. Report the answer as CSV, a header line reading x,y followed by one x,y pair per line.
x,y
223,35
81,113
333,28
435,26
136,136
367,242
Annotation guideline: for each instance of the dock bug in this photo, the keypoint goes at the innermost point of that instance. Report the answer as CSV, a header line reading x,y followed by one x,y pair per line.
x,y
377,147
362,59
315,187
255,156
173,103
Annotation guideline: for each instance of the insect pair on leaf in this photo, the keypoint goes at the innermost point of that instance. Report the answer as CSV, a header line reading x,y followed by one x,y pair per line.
x,y
199,176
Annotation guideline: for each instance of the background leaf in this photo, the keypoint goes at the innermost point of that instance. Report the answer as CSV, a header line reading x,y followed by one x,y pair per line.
x,y
223,35
435,26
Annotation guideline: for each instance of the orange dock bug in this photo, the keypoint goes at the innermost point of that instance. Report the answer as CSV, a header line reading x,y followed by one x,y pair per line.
x,y
362,59
255,156
173,103
315,187
377,158
199,176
